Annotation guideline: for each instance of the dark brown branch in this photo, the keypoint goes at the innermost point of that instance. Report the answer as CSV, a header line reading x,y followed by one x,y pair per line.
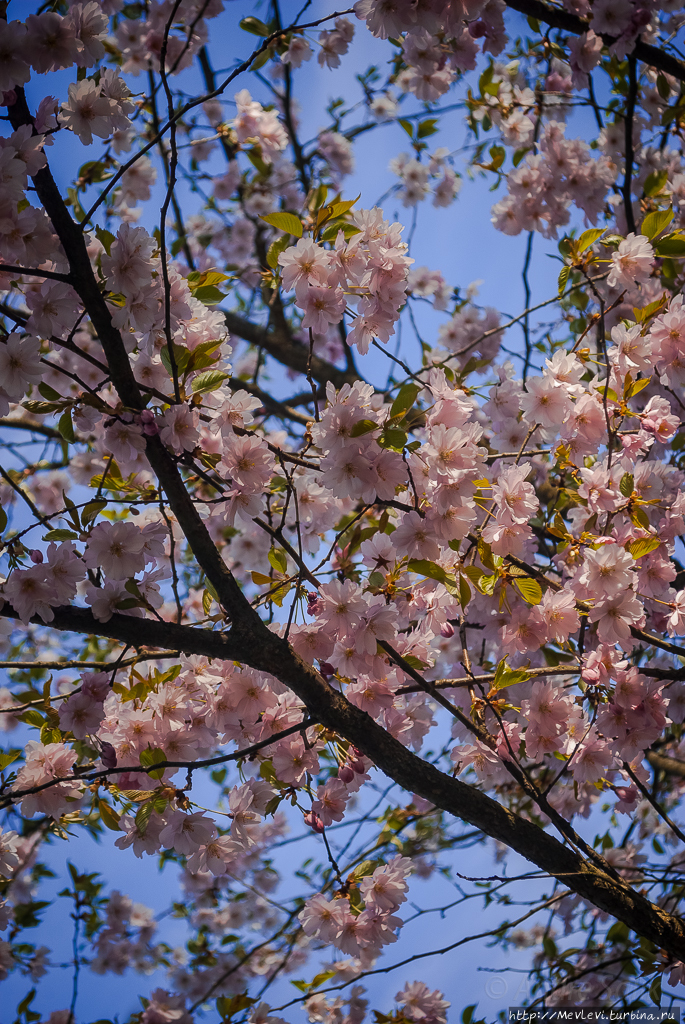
x,y
32,425
288,352
121,372
263,650
670,765
559,18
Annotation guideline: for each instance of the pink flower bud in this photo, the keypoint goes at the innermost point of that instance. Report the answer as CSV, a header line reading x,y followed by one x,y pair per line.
x,y
314,822
36,556
108,755
477,29
9,98
357,766
345,774
148,423
447,630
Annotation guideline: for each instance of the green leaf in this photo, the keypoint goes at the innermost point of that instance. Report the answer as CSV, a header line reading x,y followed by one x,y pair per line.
x,y
32,717
92,510
348,230
181,358
407,125
338,209
228,1006
66,427
404,401
143,816
7,757
254,26
563,279
643,546
627,485
427,128
637,386
275,250
656,222
589,238
206,601
110,819
497,155
655,182
663,87
530,590
278,559
363,427
671,245
210,380
507,676
209,295
260,579
618,932
3,520
49,393
519,155
284,222
106,238
320,979
639,517
464,592
393,438
150,756
280,594
424,567
655,990
58,535
42,407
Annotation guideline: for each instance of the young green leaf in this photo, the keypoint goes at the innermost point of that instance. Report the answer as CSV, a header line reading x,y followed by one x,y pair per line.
x,y
363,427
530,590
210,380
283,221
656,222
643,546
278,559
405,399
589,238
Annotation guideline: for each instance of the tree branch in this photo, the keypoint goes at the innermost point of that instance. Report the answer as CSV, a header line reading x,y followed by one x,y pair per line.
x,y
263,650
288,352
559,18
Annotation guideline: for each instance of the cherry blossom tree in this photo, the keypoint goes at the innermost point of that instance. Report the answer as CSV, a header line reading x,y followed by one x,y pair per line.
x,y
252,546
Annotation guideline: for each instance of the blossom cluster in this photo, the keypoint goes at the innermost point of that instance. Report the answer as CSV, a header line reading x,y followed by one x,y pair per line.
x,y
367,271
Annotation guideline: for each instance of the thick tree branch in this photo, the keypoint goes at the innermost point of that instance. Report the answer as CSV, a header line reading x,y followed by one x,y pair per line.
x,y
559,18
263,650
121,372
288,352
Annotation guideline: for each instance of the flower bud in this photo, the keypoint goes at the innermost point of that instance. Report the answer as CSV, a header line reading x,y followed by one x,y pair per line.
x,y
36,556
314,822
108,755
